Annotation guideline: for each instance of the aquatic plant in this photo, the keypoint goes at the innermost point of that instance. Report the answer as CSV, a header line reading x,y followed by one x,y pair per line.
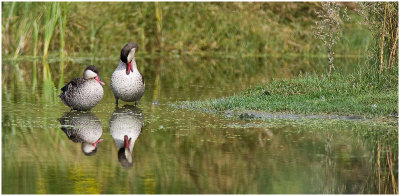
x,y
329,28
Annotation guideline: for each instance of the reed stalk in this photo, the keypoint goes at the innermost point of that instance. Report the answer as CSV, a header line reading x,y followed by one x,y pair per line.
x,y
393,51
390,164
93,41
10,13
379,167
62,18
382,41
157,86
61,81
51,22
159,20
23,31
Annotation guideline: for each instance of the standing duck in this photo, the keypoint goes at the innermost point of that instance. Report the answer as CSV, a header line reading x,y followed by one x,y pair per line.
x,y
127,83
126,124
83,127
83,93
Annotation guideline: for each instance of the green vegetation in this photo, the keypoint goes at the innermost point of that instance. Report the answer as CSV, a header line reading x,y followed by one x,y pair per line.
x,y
342,95
223,48
370,92
172,28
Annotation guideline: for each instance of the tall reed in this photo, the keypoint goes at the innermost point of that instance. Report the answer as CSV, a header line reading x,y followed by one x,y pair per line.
x,y
62,21
159,19
381,18
51,18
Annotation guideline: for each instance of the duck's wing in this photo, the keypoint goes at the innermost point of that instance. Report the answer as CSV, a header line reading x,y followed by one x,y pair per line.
x,y
142,77
72,84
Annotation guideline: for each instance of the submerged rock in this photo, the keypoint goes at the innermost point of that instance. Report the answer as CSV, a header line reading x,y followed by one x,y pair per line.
x,y
248,116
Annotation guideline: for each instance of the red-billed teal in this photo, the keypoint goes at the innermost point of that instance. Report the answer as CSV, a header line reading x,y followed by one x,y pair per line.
x,y
127,83
83,93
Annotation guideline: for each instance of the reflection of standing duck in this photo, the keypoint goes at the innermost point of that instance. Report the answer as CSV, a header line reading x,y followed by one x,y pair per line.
x,y
83,93
83,127
125,126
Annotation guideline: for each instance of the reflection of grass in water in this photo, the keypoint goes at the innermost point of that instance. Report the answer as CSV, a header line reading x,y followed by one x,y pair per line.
x,y
49,90
204,161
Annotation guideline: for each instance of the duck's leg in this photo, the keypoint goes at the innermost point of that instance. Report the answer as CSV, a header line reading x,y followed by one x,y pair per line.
x,y
116,101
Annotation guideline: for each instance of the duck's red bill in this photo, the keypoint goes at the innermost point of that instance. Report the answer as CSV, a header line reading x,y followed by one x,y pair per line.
x,y
98,80
129,68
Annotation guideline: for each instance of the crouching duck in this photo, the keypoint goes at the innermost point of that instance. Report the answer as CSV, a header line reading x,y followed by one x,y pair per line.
x,y
127,83
83,93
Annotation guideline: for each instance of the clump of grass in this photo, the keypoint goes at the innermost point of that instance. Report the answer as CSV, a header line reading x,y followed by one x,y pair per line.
x,y
340,95
329,28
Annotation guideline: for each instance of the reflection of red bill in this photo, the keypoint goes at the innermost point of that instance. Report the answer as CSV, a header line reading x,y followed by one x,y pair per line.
x,y
97,142
127,141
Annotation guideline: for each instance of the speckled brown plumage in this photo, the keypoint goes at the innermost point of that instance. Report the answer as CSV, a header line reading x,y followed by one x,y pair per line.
x,y
82,94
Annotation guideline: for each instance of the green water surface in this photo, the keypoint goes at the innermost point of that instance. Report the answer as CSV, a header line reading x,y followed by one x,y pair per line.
x,y
180,151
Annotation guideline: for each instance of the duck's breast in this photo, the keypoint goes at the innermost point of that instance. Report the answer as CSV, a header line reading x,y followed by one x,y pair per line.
x,y
127,87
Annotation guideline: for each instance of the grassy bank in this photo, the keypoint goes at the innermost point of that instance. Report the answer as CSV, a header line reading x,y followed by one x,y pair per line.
x,y
310,94
371,91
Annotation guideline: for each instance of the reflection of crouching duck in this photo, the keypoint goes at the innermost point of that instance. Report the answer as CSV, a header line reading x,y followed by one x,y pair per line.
x,y
83,127
125,126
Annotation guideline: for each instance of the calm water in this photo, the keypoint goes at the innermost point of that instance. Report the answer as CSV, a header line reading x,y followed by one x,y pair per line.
x,y
180,151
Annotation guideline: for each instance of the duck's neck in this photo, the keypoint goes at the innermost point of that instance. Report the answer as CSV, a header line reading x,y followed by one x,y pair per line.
x,y
123,65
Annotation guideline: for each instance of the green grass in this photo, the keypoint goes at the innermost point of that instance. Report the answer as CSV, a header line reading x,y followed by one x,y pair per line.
x,y
178,28
311,94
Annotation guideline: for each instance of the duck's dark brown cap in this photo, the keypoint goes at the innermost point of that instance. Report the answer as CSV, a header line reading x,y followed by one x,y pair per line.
x,y
126,49
92,68
122,159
